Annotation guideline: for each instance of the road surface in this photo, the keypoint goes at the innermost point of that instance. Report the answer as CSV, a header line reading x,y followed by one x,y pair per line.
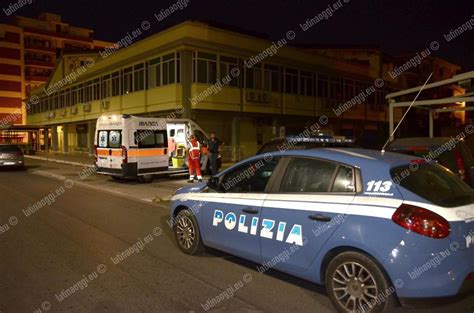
x,y
66,248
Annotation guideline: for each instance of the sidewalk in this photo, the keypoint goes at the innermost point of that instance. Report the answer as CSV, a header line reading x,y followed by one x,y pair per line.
x,y
80,169
79,159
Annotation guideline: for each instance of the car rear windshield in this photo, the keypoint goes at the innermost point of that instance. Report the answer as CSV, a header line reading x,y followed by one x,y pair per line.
x,y
435,184
10,148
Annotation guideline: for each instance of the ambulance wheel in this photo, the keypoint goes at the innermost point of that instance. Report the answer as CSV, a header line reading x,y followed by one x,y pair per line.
x,y
145,179
355,283
116,178
187,233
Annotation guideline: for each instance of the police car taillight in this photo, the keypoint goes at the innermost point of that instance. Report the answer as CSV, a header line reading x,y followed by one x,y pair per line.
x,y
422,221
124,155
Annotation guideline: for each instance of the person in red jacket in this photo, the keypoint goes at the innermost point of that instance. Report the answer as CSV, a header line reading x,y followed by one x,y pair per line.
x,y
194,155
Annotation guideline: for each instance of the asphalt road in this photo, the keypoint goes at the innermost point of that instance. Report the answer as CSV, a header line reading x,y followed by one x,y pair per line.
x,y
60,247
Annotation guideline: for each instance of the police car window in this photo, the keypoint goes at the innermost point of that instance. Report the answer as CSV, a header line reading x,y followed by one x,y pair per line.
x,y
308,175
344,181
250,177
433,183
103,142
115,139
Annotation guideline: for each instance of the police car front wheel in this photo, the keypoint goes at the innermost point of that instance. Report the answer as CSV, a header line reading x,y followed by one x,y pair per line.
x,y
355,283
187,233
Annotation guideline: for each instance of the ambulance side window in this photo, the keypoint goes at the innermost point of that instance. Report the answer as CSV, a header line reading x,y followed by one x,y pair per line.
x,y
160,138
151,138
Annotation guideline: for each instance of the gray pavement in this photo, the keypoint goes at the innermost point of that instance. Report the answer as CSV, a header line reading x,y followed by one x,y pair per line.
x,y
91,250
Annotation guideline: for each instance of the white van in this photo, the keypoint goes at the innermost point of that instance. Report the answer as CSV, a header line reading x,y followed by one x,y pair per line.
x,y
131,147
138,147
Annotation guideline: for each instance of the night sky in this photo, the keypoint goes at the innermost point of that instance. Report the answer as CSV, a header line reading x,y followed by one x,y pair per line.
x,y
395,26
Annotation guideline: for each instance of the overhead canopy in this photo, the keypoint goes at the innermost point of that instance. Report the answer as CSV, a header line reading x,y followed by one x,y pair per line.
x,y
451,103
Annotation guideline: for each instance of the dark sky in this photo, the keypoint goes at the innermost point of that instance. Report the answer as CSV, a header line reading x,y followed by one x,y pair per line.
x,y
396,26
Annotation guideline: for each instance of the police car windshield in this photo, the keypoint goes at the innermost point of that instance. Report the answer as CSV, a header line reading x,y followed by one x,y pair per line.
x,y
435,184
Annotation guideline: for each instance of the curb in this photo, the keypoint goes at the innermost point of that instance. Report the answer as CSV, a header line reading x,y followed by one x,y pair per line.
x,y
59,161
99,189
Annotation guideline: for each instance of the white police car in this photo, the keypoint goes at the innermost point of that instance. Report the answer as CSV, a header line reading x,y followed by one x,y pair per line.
x,y
376,229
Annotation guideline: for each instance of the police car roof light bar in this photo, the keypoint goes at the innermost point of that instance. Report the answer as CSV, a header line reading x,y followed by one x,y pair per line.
x,y
404,115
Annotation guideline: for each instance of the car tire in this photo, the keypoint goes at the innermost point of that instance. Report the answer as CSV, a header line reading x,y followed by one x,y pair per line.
x,y
187,233
145,179
116,178
356,283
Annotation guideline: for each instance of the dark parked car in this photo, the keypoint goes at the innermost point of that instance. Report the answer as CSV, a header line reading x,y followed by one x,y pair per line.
x,y
455,156
304,143
11,156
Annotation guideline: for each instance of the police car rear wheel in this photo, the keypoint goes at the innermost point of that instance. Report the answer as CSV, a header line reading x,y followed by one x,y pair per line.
x,y
355,283
187,233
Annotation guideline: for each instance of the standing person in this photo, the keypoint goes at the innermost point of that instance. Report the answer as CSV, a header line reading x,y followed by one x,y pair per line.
x,y
214,146
194,154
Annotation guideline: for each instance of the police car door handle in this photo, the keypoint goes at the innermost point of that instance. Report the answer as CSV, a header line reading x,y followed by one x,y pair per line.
x,y
250,211
320,218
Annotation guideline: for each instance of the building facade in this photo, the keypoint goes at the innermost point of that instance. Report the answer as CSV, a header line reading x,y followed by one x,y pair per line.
x,y
29,49
229,82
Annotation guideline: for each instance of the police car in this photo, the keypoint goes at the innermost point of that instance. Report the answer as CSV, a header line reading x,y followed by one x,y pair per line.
x,y
377,229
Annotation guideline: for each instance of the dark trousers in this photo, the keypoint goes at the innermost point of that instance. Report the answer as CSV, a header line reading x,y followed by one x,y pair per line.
x,y
213,157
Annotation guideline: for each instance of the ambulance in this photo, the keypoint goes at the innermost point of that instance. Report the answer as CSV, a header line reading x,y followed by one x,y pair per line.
x,y
132,147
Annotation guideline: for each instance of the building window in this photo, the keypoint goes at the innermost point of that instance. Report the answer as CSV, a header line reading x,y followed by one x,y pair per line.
x,y
67,98
205,68
62,99
139,77
106,89
154,72
271,77
291,81
74,95
323,86
349,91
88,91
80,93
169,63
306,84
116,84
96,89
335,89
127,80
227,64
253,77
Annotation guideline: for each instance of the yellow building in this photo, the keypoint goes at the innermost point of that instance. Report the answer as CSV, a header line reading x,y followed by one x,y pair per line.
x,y
245,88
